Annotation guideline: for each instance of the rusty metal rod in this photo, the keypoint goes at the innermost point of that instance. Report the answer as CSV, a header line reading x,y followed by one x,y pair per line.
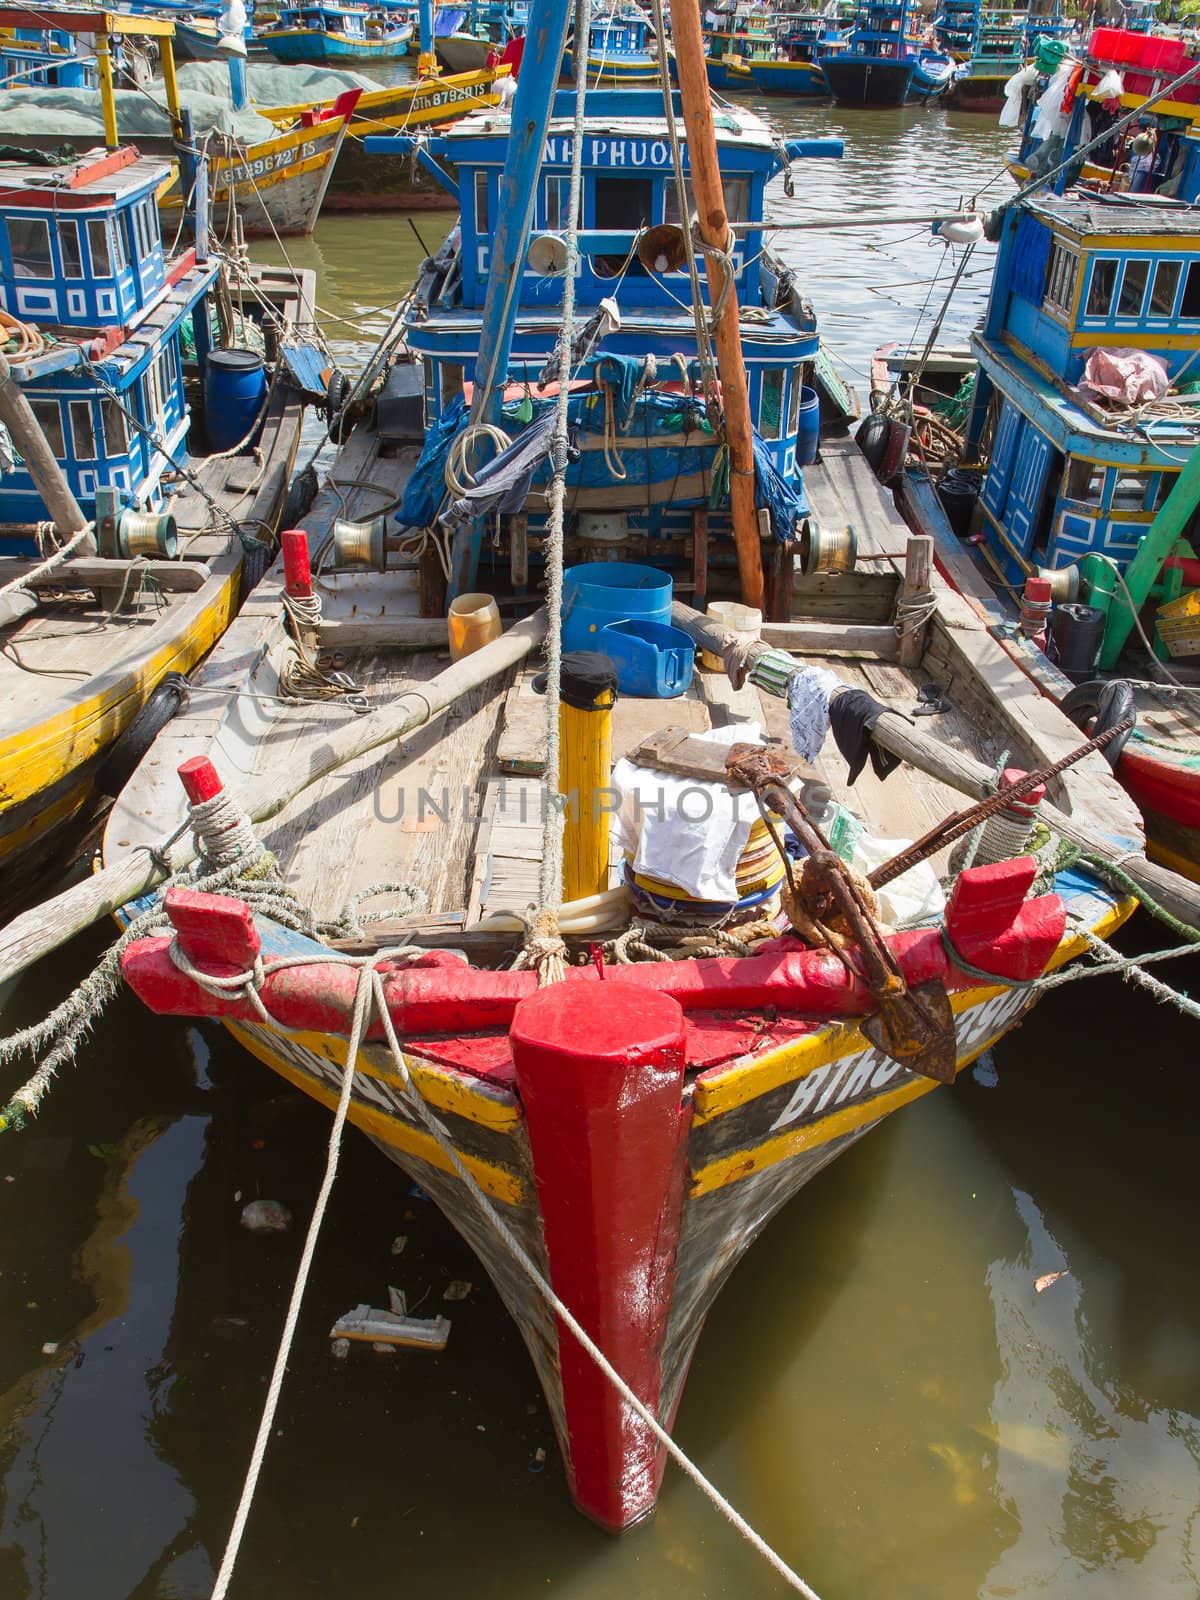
x,y
960,822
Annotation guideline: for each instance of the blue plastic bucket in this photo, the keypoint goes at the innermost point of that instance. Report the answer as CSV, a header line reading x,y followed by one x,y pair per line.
x,y
600,592
234,387
808,426
653,661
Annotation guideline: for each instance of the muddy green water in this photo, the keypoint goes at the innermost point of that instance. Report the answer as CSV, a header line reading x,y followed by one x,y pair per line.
x,y
881,1389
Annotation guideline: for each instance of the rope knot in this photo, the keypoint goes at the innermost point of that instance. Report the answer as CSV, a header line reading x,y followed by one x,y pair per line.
x,y
544,949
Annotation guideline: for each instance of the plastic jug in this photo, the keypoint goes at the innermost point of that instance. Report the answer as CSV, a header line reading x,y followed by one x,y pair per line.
x,y
473,621
745,621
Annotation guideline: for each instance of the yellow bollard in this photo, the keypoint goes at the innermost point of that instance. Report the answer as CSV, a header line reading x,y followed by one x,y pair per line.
x,y
588,691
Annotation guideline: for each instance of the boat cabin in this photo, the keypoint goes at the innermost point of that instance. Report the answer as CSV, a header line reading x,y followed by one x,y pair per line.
x,y
82,271
956,23
647,466
628,188
44,58
1077,274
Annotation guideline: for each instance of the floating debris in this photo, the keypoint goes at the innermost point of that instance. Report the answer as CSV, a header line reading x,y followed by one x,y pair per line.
x,y
457,1289
266,1216
399,1244
1048,1278
385,1329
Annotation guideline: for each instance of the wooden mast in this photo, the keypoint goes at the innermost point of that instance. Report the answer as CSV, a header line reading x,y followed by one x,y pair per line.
x,y
714,229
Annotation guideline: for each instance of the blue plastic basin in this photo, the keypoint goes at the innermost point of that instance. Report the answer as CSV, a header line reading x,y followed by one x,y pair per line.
x,y
600,592
653,661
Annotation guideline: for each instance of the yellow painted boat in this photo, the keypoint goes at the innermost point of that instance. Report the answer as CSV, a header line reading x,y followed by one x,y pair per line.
x,y
362,182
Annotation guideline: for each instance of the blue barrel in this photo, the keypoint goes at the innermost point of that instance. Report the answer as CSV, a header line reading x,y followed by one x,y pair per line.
x,y
601,592
808,426
234,387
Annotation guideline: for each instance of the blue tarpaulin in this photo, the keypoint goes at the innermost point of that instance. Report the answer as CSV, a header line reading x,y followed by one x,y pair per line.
x,y
686,466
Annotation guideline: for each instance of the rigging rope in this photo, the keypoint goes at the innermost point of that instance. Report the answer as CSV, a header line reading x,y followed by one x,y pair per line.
x,y
550,873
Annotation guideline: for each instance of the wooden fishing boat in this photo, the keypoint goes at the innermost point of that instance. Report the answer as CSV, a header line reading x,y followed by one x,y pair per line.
x,y
467,36
275,185
112,426
1087,498
997,53
739,37
633,1126
886,62
332,34
360,181
793,67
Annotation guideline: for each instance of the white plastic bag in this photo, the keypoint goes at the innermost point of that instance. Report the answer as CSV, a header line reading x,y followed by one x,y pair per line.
x,y
1050,118
1014,89
915,895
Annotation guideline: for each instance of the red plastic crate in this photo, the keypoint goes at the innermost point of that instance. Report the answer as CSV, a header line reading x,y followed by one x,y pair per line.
x,y
1105,45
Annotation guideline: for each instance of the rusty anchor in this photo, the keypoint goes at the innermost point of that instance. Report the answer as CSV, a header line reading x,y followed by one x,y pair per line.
x,y
914,1026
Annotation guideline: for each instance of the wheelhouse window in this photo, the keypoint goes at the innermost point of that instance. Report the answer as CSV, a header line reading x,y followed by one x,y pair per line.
x,y
83,433
1133,288
481,203
623,203
557,202
1189,306
29,241
737,199
50,422
1102,288
1134,491
1085,483
1061,275
68,242
770,408
452,381
98,244
116,440
1166,287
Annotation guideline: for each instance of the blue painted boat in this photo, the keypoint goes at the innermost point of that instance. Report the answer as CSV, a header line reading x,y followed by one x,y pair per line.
x,y
1090,482
886,62
631,251
621,50
740,35
45,58
794,67
327,34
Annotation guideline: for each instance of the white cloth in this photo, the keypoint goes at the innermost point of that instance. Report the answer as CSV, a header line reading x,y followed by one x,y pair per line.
x,y
1010,117
683,831
808,694
1050,118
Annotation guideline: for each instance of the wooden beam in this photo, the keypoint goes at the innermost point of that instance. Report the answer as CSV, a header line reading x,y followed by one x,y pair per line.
x,y
916,597
832,638
385,633
90,572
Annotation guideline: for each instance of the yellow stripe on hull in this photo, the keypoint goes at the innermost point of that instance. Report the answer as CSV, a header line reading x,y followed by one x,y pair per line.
x,y
389,1130
43,754
439,1089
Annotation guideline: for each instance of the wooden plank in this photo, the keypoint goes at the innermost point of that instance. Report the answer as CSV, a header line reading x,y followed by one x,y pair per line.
x,y
522,745
86,572
727,705
918,575
832,638
384,633
866,595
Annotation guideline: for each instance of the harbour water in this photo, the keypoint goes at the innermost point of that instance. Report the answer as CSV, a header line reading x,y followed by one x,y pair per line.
x,y
884,1389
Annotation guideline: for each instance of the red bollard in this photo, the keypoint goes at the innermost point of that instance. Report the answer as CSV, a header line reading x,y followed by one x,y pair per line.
x,y
297,574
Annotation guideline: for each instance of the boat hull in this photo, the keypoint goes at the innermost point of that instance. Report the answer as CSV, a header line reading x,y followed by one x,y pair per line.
x,y
463,52
634,1144
977,94
729,75
868,81
802,79
276,187
304,45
